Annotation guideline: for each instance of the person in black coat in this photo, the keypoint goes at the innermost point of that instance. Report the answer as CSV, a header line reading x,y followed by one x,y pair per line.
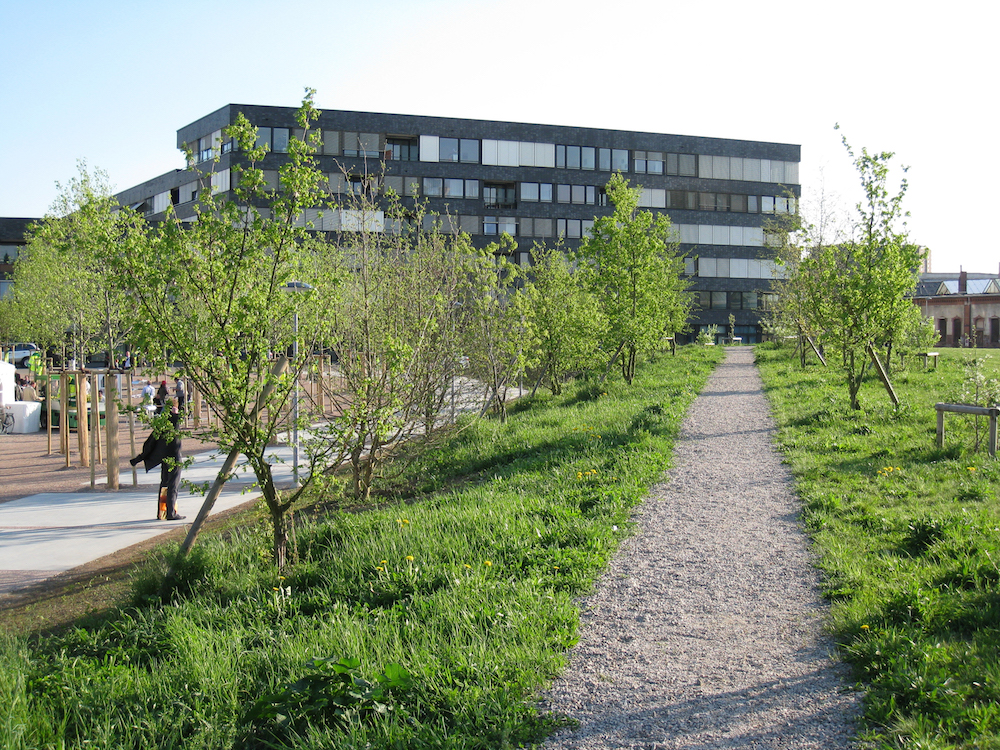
x,y
163,449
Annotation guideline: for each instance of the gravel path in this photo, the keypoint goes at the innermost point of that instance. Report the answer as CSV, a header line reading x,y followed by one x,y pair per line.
x,y
706,631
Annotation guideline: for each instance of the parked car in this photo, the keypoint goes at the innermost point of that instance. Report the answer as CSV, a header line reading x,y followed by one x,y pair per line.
x,y
22,352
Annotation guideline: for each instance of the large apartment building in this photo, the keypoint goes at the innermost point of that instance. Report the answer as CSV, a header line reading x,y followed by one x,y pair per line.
x,y
533,182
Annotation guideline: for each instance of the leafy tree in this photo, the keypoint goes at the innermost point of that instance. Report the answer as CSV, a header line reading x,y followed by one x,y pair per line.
x,y
213,294
568,321
636,276
496,322
62,286
856,290
393,328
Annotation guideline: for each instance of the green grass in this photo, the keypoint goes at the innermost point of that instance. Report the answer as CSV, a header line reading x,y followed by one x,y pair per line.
x,y
432,620
908,537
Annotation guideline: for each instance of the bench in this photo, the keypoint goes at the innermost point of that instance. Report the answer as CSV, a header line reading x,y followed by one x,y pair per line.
x,y
983,411
933,356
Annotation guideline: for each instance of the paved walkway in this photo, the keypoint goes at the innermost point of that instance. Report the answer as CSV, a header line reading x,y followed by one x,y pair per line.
x,y
53,532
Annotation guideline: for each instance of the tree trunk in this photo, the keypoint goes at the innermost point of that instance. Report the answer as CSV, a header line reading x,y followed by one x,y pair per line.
x,y
279,550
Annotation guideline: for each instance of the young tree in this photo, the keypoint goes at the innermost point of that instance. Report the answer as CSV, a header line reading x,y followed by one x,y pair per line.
x,y
496,321
636,276
213,294
393,329
858,289
568,320
62,285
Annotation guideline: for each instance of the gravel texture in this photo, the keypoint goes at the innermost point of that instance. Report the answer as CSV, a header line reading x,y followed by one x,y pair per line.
x,y
707,629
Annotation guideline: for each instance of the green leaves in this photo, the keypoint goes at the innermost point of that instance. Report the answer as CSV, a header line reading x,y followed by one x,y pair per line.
x,y
636,274
333,692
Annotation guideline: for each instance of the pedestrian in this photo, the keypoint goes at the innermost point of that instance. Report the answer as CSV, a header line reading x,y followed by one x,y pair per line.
x,y
28,392
163,448
148,394
161,396
180,394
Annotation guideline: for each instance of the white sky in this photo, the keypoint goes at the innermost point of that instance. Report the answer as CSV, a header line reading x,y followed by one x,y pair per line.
x,y
111,82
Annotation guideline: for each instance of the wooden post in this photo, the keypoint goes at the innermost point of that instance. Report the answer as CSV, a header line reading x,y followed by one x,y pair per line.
x,y
131,429
196,407
992,447
82,433
111,417
815,351
95,408
993,412
64,415
95,430
48,409
882,375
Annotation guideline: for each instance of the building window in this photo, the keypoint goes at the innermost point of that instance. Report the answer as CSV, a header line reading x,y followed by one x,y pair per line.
x,y
612,159
685,165
499,195
571,228
402,149
468,151
279,140
496,225
448,149
536,192
459,188
569,157
648,162
363,145
456,150
433,187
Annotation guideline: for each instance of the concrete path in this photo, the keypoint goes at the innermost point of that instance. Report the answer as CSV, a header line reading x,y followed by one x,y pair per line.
x,y
49,533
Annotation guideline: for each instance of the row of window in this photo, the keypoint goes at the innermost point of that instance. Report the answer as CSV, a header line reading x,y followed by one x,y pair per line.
x,y
432,148
735,301
694,234
507,195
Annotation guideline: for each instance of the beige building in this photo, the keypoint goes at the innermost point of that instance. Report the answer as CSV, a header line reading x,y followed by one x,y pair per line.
x,y
965,307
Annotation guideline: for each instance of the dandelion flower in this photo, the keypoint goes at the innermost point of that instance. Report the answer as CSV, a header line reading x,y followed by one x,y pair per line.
x,y
384,562
972,468
865,627
488,564
468,566
410,558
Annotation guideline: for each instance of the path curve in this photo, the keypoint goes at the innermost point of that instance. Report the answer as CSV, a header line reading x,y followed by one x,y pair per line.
x,y
706,631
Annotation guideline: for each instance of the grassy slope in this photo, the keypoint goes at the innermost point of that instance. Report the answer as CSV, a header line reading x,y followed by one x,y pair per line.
x,y
908,538
467,582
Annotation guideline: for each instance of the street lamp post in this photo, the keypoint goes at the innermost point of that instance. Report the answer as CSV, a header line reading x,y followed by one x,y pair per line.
x,y
297,287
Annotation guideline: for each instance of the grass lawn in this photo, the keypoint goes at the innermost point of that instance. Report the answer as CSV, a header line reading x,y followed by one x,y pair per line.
x,y
431,620
908,536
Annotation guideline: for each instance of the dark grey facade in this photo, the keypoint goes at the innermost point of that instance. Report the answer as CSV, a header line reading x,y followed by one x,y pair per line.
x,y
534,182
13,233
